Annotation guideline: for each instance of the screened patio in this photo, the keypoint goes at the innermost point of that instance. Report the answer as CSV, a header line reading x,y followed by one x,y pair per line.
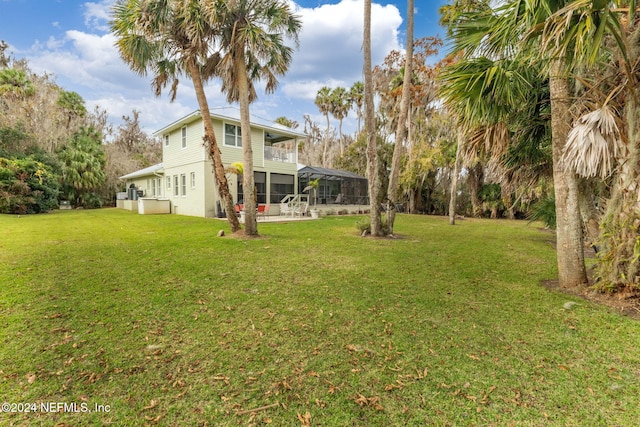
x,y
336,186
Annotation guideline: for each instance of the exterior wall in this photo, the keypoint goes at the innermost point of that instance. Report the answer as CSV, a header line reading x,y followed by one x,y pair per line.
x,y
202,199
192,202
174,154
145,184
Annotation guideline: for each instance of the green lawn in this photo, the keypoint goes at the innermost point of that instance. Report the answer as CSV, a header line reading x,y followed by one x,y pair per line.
x,y
168,324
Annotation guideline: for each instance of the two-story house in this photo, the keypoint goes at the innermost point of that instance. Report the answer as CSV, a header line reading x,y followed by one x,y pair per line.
x,y
185,176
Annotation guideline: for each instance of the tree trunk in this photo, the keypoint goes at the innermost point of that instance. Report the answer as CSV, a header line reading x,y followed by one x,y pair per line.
x,y
213,149
325,146
405,101
618,265
454,178
476,180
570,249
248,182
370,127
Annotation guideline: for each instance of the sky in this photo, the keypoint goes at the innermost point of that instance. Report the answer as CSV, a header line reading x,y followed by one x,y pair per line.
x,y
70,39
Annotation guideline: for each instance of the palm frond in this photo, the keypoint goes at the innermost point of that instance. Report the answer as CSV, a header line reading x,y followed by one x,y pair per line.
x,y
594,144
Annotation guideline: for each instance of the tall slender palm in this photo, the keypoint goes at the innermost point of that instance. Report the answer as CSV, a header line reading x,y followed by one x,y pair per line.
x,y
340,106
323,102
394,177
252,49
504,32
373,164
356,93
169,38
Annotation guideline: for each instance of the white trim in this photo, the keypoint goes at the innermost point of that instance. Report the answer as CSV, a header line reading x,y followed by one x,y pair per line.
x,y
238,135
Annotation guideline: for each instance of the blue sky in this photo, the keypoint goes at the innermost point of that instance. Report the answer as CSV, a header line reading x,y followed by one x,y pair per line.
x,y
71,40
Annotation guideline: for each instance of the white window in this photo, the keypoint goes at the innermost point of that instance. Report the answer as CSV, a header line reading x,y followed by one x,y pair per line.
x,y
153,187
166,140
184,137
232,136
193,180
168,182
183,185
176,186
159,187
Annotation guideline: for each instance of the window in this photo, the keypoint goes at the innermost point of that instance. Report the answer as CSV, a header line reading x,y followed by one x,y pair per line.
x,y
232,136
166,140
183,185
260,180
281,185
184,137
168,182
153,187
159,187
176,186
193,180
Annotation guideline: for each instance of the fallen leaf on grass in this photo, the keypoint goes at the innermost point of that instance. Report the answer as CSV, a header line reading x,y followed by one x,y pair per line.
x,y
31,378
364,401
305,420
152,405
154,419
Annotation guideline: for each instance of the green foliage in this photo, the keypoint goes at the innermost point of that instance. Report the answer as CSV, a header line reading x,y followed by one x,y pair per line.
x,y
544,210
15,83
83,161
27,186
364,225
13,140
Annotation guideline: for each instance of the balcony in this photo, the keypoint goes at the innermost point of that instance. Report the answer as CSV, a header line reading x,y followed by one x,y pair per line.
x,y
279,154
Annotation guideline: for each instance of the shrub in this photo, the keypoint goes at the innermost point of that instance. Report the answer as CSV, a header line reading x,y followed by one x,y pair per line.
x,y
364,225
545,211
27,186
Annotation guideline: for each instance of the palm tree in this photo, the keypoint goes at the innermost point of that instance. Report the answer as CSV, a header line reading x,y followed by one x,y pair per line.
x,y
323,102
252,48
581,31
170,38
508,31
340,106
356,95
15,84
373,165
394,177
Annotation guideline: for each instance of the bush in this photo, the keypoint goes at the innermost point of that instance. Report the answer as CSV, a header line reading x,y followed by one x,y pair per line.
x,y
27,186
364,226
545,211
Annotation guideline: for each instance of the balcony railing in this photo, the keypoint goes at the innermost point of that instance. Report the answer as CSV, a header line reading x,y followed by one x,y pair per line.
x,y
278,154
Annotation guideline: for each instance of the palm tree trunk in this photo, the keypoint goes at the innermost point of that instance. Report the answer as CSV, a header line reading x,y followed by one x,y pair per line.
x,y
405,101
570,249
373,165
618,266
454,179
212,146
248,184
476,180
325,147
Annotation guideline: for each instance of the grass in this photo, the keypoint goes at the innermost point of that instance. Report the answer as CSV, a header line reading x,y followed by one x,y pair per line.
x,y
170,325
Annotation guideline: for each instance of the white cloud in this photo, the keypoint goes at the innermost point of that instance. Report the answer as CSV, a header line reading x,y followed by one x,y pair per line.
x,y
331,40
97,15
330,54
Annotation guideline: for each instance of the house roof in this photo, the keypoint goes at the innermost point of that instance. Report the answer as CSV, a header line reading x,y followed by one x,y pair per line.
x,y
231,114
151,170
317,172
